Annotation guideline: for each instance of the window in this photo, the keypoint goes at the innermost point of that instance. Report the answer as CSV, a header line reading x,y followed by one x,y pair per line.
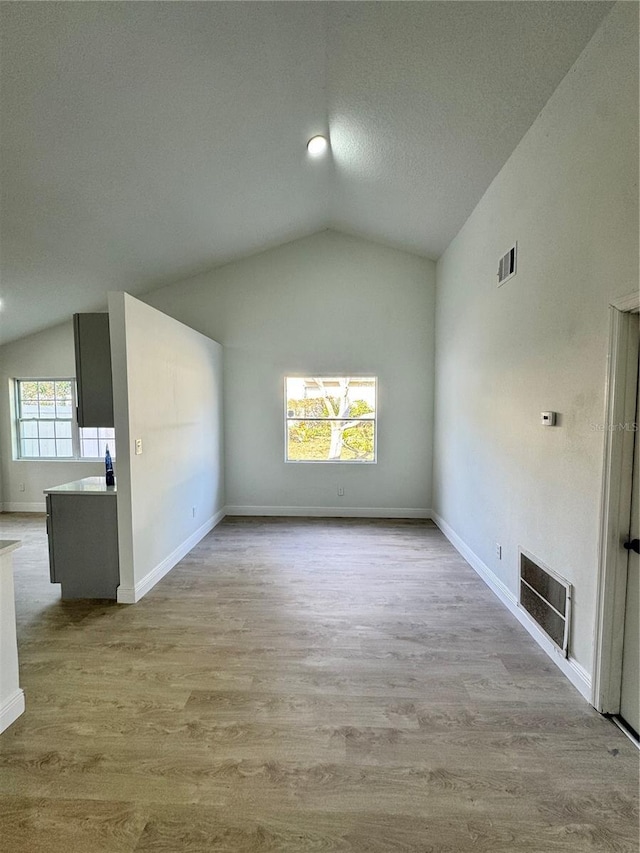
x,y
46,426
45,409
330,419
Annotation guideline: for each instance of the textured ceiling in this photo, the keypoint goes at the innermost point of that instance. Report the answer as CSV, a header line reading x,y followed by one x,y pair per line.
x,y
143,142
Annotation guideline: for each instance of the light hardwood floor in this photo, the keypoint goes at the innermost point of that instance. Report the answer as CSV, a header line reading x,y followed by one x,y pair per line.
x,y
301,685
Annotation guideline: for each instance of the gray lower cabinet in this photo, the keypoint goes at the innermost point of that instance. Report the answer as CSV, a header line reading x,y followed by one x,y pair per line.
x,y
83,544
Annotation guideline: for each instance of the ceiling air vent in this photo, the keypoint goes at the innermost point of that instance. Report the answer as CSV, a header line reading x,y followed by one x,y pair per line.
x,y
507,265
546,597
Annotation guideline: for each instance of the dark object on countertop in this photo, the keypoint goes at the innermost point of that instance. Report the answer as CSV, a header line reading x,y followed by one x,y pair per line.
x,y
108,466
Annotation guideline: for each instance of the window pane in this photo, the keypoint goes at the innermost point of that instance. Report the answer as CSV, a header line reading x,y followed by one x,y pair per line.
x,y
47,447
46,389
93,441
308,441
331,441
47,429
28,399
63,429
358,442
55,439
330,396
64,408
28,391
29,429
89,447
63,399
45,398
29,409
46,408
29,447
64,447
63,389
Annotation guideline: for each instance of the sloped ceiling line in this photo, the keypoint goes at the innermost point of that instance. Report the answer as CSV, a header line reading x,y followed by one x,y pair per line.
x,y
144,142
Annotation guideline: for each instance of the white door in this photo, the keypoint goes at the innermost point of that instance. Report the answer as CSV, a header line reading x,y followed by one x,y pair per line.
x,y
630,694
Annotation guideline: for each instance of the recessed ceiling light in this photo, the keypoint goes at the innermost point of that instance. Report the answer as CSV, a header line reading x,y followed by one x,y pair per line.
x,y
317,145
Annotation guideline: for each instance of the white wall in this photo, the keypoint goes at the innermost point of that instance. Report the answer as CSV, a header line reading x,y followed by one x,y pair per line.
x,y
569,196
11,695
49,355
320,305
167,383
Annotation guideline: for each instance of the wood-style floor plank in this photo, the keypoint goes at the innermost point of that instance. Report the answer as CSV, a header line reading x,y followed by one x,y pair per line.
x,y
301,685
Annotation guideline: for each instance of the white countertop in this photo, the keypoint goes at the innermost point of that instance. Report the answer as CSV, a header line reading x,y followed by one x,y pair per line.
x,y
86,486
7,545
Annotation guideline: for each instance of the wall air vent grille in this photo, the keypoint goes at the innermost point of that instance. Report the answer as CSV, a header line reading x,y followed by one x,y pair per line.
x,y
546,597
507,265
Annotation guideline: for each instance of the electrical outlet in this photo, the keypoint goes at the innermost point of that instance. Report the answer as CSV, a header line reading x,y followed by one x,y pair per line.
x,y
498,550
138,446
340,491
21,487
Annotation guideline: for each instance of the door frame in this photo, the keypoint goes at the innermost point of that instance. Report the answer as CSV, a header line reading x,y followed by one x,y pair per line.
x,y
615,503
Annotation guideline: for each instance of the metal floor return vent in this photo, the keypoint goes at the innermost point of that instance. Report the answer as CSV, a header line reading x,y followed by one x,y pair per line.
x,y
547,599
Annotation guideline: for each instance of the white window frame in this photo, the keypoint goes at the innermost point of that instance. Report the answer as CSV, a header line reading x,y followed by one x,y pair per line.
x,y
373,420
76,439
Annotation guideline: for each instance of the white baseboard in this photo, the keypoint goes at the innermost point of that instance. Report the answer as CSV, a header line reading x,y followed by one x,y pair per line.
x,y
11,709
570,667
329,511
36,506
131,595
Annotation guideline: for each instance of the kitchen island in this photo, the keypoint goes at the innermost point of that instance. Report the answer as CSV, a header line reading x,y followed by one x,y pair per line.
x,y
82,526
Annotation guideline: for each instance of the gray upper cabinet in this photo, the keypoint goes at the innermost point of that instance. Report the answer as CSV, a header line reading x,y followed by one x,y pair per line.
x,y
93,370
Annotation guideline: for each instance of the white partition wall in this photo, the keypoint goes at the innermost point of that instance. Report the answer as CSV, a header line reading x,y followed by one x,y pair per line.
x,y
167,384
11,696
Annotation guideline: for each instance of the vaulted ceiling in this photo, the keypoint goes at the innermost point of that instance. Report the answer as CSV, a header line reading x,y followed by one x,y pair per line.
x,y
145,141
